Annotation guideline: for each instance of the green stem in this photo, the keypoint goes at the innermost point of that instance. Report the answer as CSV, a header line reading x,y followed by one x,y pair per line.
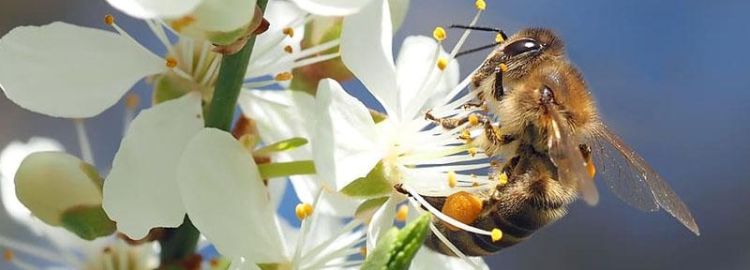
x,y
179,244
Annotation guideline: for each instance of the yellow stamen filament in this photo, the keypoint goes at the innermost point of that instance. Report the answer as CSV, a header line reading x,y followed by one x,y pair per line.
x,y
109,19
480,5
283,76
462,206
439,33
303,211
497,234
452,179
8,255
288,31
499,38
402,213
472,151
502,179
171,62
503,67
181,23
132,101
473,119
288,49
442,63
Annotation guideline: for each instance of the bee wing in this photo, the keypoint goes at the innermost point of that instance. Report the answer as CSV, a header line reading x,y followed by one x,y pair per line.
x,y
634,181
565,154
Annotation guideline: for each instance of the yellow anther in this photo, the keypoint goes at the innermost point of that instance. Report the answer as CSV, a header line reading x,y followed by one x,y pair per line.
x,y
283,76
8,255
132,101
503,67
480,5
472,151
465,135
109,19
442,63
288,31
497,234
402,213
303,211
363,251
288,49
171,62
452,179
214,262
439,33
473,119
475,184
502,179
182,22
499,38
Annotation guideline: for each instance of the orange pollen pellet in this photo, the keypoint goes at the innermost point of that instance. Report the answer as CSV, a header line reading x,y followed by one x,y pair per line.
x,y
462,206
8,255
288,31
171,62
283,76
303,211
402,213
288,49
181,23
109,19
503,67
452,179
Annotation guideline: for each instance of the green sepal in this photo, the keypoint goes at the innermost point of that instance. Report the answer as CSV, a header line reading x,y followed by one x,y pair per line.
x,y
283,169
168,87
88,222
373,185
367,208
281,146
396,249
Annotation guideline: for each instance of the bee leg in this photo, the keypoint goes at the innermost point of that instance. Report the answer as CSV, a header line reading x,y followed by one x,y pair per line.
x,y
495,137
451,123
478,104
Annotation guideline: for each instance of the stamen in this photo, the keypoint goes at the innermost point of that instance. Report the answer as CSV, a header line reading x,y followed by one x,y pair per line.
x,y
131,104
499,38
472,151
439,34
288,49
503,67
288,31
109,19
83,141
497,234
363,251
171,62
465,135
303,210
502,179
8,255
473,119
452,179
480,5
442,63
283,76
181,23
402,213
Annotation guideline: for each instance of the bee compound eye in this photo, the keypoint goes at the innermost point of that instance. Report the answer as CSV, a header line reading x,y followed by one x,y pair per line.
x,y
521,46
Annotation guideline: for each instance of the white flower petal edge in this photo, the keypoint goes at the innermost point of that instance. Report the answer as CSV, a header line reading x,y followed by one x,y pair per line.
x,y
399,8
366,50
148,9
427,259
65,70
139,192
333,7
225,198
346,142
381,222
10,160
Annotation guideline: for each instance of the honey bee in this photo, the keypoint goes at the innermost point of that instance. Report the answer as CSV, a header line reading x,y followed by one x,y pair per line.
x,y
549,135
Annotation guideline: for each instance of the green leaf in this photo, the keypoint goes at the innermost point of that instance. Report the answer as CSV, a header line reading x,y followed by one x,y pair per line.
x,y
88,222
283,169
373,185
281,146
396,249
367,209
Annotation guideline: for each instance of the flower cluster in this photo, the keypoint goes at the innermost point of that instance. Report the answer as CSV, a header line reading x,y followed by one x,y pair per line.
x,y
182,183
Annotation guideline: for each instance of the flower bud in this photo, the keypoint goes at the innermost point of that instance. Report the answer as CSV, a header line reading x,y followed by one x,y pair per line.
x,y
221,22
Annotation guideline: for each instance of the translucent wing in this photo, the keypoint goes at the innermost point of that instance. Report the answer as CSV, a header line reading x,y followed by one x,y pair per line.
x,y
634,181
565,154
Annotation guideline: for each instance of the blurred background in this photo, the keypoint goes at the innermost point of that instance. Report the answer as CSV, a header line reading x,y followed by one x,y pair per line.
x,y
671,77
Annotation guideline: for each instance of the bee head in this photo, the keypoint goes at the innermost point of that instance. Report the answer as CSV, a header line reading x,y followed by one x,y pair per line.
x,y
525,50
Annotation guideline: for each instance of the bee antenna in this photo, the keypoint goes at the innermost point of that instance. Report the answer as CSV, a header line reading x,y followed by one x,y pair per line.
x,y
480,28
477,49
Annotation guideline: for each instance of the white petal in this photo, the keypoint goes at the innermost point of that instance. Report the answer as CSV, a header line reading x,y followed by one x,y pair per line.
x,y
223,15
381,222
140,192
416,60
427,259
65,70
147,9
399,8
285,114
332,7
366,43
225,198
10,160
346,142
